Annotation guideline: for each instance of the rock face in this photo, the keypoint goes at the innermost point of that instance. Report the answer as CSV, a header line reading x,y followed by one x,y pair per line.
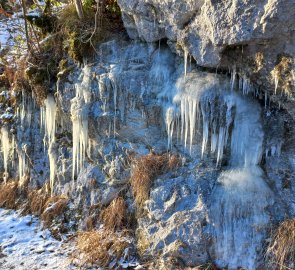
x,y
207,28
139,98
248,36
237,148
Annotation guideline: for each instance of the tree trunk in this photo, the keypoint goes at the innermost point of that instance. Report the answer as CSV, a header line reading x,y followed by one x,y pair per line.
x,y
79,9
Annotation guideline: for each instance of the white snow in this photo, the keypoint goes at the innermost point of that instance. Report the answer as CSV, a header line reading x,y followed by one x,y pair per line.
x,y
24,245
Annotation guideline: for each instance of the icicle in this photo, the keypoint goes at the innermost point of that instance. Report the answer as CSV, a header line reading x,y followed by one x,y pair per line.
x,y
192,117
50,118
80,137
233,78
246,86
185,61
276,79
50,126
205,128
79,116
6,147
170,120
13,147
22,165
114,85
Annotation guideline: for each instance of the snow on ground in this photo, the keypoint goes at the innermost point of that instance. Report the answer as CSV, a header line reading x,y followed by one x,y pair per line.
x,y
25,246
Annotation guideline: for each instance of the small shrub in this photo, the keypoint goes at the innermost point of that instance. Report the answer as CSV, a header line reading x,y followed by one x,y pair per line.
x,y
114,216
145,169
81,36
9,194
281,249
100,247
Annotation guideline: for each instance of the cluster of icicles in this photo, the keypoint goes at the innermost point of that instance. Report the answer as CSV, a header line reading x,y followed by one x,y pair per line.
x,y
194,108
15,145
203,103
80,104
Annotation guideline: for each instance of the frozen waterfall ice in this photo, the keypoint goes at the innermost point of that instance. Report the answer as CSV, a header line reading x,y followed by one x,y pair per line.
x,y
229,121
239,218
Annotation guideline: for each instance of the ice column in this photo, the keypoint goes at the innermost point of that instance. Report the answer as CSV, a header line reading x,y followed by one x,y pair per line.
x,y
79,116
6,147
50,118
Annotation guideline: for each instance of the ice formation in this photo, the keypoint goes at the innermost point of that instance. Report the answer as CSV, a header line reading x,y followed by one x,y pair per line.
x,y
239,217
228,121
22,164
49,122
204,97
6,148
79,116
24,113
185,61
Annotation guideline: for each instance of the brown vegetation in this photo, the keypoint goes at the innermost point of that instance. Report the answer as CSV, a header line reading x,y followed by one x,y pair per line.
x,y
9,195
145,169
283,74
47,207
37,199
81,35
54,207
281,249
100,247
115,215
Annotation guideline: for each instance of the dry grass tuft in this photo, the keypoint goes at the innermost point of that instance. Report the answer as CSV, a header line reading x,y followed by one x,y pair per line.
x,y
54,207
37,199
281,250
114,216
283,74
40,203
9,195
100,247
145,169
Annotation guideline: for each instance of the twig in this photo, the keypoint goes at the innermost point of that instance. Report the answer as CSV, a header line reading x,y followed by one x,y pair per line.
x,y
26,24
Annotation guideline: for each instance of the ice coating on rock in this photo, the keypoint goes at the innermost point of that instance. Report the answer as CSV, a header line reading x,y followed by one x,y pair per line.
x,y
229,121
239,218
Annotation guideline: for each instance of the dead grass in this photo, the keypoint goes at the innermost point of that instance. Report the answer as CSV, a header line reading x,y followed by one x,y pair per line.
x,y
281,250
40,203
144,171
115,215
208,266
53,208
283,74
259,61
37,199
9,194
100,247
